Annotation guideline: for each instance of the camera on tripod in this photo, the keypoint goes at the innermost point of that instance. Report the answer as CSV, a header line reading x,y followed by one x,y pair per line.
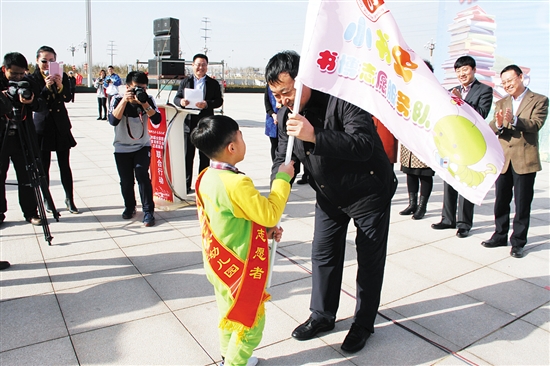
x,y
140,94
22,88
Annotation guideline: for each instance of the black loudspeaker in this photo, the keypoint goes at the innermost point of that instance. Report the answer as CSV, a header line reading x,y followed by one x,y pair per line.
x,y
166,45
165,26
167,67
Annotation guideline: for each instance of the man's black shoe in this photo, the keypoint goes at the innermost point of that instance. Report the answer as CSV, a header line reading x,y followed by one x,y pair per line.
x,y
310,328
302,180
356,338
516,252
4,265
441,225
462,233
128,213
492,243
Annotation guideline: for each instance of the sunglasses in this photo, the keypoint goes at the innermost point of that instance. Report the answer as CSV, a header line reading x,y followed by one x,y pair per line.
x,y
46,61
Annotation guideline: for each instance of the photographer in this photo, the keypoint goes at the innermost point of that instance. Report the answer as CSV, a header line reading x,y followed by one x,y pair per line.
x,y
111,84
101,95
130,114
19,97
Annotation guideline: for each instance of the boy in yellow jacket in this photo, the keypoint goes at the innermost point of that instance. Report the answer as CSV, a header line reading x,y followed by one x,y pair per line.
x,y
236,223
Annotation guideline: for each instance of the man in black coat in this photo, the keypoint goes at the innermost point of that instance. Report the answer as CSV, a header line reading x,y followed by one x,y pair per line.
x,y
11,129
479,96
212,98
353,179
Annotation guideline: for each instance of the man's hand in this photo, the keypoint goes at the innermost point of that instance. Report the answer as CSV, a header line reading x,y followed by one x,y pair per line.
x,y
456,93
201,105
274,116
129,96
184,103
298,126
288,169
275,233
508,116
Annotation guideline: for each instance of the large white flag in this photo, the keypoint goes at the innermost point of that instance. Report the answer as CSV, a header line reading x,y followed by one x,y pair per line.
x,y
354,50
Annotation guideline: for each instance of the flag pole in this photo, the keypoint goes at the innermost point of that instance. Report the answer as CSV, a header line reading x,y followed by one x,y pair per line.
x,y
288,157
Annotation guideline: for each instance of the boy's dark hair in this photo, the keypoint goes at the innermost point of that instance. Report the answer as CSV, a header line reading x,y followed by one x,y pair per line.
x,y
110,67
45,49
512,67
429,64
285,61
213,134
15,59
138,77
200,55
465,61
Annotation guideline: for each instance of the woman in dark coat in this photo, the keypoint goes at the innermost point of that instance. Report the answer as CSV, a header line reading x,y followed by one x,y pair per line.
x,y
52,123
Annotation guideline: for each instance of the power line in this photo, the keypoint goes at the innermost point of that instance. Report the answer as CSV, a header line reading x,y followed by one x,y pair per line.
x,y
205,29
111,49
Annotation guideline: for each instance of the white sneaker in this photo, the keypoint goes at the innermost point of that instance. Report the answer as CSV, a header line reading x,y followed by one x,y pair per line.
x,y
252,361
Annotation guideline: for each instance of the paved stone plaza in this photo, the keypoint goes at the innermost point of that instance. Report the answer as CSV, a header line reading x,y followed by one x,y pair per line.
x,y
113,292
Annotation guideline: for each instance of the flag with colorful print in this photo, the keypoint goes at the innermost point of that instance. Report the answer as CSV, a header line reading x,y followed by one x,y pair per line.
x,y
354,50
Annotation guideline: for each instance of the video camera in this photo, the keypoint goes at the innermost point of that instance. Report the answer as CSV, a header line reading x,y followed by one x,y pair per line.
x,y
22,88
140,94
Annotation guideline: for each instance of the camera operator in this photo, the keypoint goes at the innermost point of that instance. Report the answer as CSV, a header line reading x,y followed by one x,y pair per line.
x,y
111,84
19,96
130,114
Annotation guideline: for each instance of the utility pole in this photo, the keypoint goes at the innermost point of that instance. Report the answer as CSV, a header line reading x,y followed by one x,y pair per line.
x,y
89,40
111,50
205,29
430,46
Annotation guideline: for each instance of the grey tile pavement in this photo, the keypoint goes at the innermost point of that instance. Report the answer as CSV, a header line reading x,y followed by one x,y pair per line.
x,y
110,291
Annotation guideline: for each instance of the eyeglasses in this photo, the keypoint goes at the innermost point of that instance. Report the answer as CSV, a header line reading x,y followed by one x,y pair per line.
x,y
509,81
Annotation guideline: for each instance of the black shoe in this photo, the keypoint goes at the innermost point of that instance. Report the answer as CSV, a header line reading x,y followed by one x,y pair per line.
x,y
413,205
492,243
2,217
462,233
302,180
421,209
356,338
441,225
35,220
71,206
104,118
516,252
310,328
128,213
99,118
4,265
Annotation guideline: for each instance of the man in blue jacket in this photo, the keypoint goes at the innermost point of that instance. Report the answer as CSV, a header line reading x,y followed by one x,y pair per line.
x,y
353,179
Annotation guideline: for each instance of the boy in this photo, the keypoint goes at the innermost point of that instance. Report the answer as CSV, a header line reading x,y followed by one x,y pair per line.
x,y
130,114
234,220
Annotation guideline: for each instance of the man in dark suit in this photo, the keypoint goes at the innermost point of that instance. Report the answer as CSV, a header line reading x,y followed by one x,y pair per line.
x,y
353,180
212,94
479,96
518,119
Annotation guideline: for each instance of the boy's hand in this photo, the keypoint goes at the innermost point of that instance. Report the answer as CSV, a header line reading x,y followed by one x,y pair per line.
x,y
289,169
275,233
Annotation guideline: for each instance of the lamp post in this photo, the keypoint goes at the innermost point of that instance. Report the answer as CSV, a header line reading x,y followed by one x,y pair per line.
x,y
430,46
72,49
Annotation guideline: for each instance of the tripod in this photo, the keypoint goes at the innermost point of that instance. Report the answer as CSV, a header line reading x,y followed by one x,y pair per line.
x,y
33,167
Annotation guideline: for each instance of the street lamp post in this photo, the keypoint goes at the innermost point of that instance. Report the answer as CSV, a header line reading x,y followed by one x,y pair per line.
x,y
72,49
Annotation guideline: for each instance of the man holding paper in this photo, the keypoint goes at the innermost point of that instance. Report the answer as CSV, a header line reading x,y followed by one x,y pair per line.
x,y
353,179
197,91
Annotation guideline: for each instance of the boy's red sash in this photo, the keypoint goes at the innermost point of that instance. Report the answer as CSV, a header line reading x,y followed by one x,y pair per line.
x,y
245,279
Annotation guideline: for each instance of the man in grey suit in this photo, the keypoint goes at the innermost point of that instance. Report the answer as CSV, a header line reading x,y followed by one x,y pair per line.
x,y
518,119
479,96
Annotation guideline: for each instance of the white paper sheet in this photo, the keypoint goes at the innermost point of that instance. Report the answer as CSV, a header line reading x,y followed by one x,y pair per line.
x,y
193,96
